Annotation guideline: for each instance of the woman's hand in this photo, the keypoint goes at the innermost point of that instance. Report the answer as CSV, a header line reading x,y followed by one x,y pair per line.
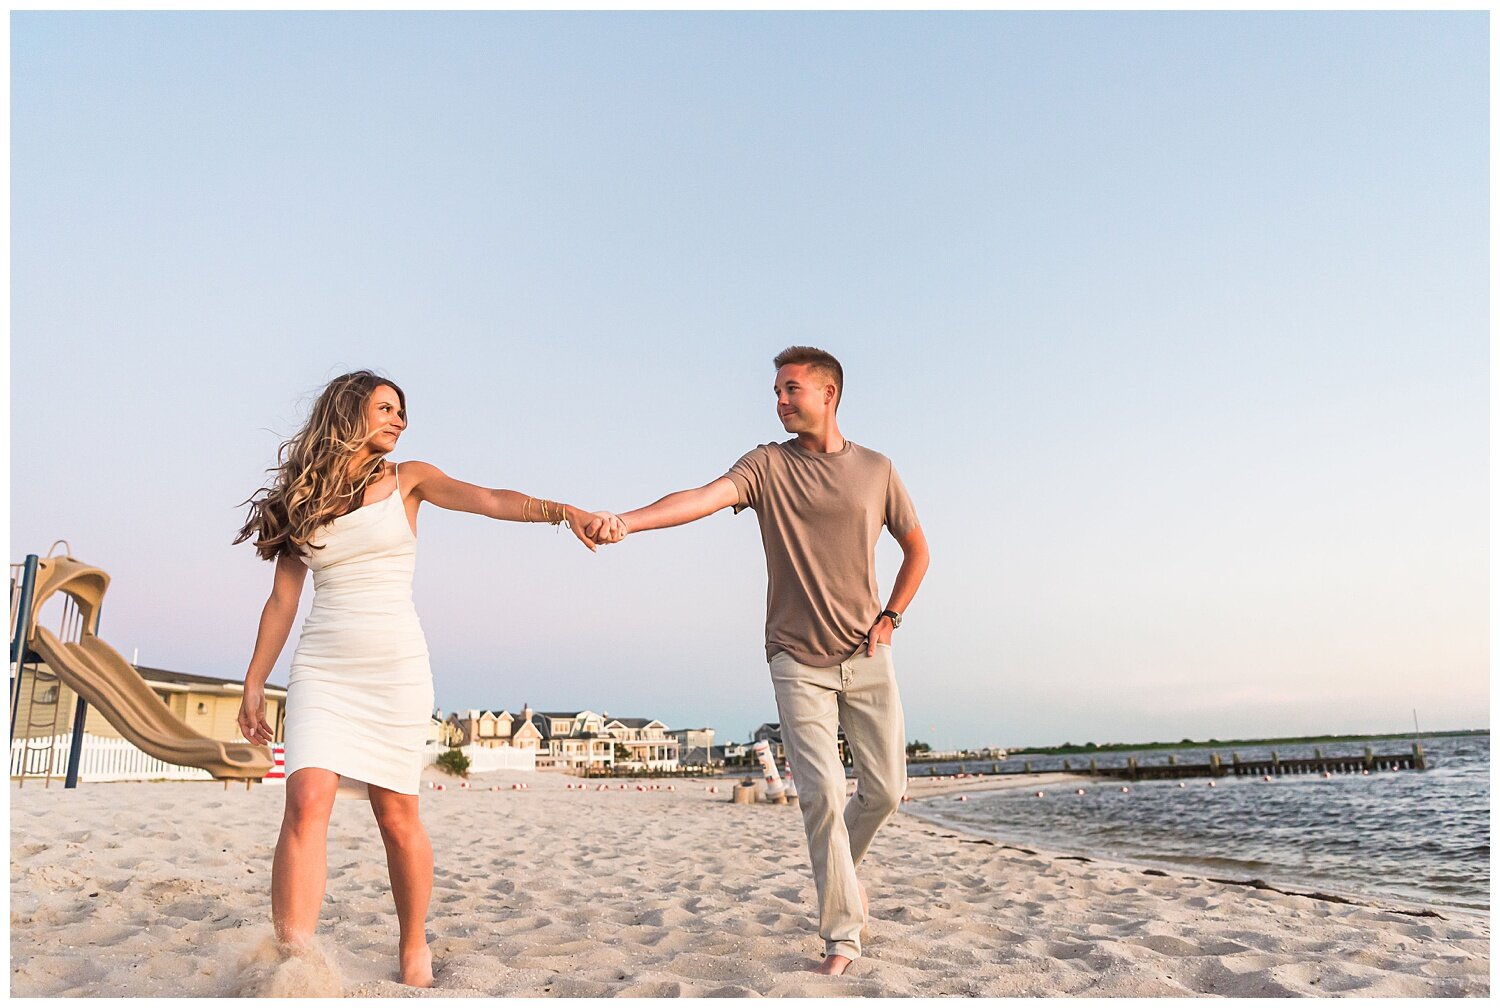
x,y
252,716
579,522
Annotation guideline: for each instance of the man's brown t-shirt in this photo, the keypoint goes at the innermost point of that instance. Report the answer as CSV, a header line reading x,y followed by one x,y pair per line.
x,y
820,515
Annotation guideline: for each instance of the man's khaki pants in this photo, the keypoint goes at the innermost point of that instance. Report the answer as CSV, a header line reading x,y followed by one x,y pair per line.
x,y
859,693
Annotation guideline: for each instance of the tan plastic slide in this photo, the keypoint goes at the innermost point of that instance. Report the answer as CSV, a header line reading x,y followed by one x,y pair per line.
x,y
102,676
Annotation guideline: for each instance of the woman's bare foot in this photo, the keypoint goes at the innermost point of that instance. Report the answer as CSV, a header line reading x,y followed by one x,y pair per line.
x,y
833,965
416,966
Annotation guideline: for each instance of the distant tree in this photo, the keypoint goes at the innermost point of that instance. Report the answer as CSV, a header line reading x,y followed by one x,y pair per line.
x,y
1090,745
1187,741
918,746
622,753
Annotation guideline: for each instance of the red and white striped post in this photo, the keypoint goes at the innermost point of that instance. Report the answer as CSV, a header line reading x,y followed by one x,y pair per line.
x,y
277,773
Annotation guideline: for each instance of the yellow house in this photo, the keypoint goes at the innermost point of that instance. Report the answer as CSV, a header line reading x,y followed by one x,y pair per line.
x,y
208,705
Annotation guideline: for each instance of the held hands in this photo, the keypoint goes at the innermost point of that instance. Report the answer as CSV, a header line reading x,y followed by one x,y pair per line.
x,y
880,633
595,529
606,528
252,717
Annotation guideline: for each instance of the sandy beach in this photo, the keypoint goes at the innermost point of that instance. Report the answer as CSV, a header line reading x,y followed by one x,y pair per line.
x,y
163,889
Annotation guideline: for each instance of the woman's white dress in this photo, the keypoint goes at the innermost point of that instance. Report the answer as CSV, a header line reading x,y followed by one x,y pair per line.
x,y
359,700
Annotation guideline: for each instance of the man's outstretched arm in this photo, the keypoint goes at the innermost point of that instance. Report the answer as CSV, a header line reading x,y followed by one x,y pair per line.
x,y
679,508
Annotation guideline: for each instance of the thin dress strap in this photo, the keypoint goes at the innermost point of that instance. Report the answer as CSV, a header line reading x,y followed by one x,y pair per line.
x,y
397,467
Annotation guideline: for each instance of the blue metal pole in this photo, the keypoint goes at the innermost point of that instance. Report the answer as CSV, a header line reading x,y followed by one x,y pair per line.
x,y
80,715
18,642
75,751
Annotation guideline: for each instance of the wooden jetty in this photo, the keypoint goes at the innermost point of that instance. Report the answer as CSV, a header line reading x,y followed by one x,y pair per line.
x,y
1237,767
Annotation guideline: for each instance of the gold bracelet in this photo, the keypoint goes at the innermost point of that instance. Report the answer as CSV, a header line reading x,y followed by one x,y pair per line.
x,y
524,509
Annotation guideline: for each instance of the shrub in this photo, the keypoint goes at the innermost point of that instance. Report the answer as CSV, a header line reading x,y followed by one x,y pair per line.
x,y
455,762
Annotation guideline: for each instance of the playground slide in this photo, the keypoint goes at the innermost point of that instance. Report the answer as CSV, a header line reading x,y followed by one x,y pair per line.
x,y
102,676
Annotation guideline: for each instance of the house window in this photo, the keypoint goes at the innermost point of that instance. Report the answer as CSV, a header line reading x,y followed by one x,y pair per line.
x,y
203,708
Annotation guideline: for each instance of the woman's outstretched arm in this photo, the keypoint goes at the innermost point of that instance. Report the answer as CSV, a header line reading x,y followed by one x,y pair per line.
x,y
431,484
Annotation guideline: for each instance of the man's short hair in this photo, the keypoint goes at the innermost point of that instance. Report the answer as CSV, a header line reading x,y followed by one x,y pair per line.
x,y
820,361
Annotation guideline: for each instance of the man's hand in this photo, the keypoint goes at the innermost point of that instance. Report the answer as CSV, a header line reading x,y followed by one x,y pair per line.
x,y
880,633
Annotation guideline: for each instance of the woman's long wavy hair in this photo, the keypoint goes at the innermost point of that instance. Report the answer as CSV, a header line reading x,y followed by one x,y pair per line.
x,y
313,484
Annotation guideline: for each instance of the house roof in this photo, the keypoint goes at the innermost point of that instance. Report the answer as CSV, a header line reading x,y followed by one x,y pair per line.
x,y
701,756
634,722
189,679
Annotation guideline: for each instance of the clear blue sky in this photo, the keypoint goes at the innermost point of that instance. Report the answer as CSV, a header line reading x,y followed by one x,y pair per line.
x,y
1174,324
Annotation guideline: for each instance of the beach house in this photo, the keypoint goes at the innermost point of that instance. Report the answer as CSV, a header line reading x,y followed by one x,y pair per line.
x,y
646,740
695,748
573,739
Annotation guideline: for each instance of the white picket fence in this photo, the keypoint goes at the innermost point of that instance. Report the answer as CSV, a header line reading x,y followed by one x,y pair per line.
x,y
116,759
483,759
102,759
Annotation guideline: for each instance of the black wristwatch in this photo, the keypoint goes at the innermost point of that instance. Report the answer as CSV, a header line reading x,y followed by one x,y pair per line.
x,y
894,617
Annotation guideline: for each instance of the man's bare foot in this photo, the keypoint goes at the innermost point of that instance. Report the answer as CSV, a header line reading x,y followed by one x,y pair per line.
x,y
416,967
833,965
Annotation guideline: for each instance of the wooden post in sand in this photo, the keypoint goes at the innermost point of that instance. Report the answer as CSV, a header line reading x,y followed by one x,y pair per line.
x,y
1369,758
1419,756
1093,767
1217,764
1026,766
744,793
1135,770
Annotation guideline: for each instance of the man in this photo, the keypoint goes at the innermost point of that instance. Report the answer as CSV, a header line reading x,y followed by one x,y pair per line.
x,y
821,501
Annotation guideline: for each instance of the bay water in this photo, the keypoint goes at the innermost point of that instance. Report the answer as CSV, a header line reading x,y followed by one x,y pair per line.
x,y
1415,835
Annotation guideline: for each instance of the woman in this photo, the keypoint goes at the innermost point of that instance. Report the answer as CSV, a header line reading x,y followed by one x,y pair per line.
x,y
360,695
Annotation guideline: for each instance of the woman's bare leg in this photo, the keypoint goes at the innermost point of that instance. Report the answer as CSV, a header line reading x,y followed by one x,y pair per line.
x,y
408,855
299,873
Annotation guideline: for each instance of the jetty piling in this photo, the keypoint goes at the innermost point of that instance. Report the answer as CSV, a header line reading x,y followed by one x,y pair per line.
x,y
1237,765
